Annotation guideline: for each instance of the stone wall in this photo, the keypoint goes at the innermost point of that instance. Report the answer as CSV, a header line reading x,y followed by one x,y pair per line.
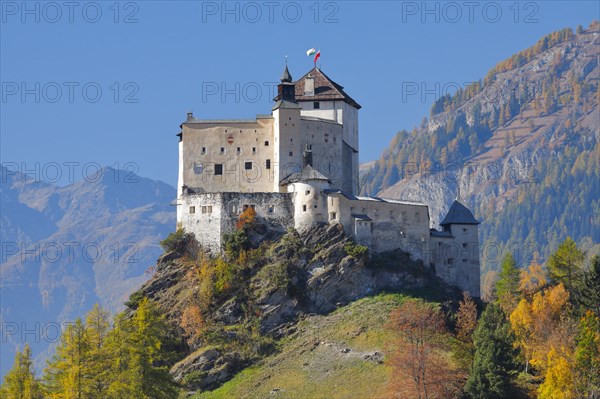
x,y
210,215
393,224
455,257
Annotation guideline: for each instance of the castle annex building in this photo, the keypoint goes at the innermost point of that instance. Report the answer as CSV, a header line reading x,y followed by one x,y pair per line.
x,y
298,167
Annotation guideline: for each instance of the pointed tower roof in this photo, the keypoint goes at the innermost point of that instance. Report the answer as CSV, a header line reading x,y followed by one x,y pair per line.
x,y
286,77
459,214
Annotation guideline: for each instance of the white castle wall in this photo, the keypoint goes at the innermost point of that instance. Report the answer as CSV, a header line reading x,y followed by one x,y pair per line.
x,y
215,214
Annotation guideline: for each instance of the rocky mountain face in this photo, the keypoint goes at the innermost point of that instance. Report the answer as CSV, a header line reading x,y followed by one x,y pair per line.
x,y
66,248
520,147
272,287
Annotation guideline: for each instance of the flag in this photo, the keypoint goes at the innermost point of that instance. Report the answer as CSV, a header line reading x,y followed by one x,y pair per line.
x,y
317,56
311,52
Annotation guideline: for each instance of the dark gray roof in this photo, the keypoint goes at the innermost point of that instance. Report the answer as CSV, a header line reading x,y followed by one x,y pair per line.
x,y
308,173
459,214
285,104
286,77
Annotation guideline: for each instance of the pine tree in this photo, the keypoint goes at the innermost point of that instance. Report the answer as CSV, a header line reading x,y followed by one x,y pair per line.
x,y
97,325
494,363
590,290
20,381
565,266
136,346
587,357
507,286
67,375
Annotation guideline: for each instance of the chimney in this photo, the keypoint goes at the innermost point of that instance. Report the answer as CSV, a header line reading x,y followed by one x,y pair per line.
x,y
190,115
309,86
307,159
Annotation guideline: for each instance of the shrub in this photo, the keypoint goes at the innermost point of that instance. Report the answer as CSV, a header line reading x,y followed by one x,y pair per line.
x,y
236,242
175,241
134,300
356,250
225,274
192,324
246,218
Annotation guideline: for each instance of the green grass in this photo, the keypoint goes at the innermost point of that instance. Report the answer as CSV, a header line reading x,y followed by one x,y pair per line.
x,y
311,363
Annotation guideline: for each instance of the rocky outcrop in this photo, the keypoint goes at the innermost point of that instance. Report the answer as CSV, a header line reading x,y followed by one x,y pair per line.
x,y
296,275
207,368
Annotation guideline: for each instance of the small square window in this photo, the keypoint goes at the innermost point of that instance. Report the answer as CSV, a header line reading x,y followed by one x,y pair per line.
x,y
464,245
316,105
222,150
248,165
304,208
291,154
271,208
266,143
218,169
307,192
209,210
239,150
203,209
268,164
254,150
203,150
192,209
333,215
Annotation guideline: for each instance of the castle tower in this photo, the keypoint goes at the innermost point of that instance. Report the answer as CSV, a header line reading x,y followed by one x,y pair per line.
x,y
456,249
321,97
308,196
287,130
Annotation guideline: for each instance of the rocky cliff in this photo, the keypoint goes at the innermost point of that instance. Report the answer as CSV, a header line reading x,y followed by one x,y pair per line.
x,y
272,287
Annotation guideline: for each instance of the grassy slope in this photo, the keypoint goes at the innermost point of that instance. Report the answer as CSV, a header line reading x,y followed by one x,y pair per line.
x,y
312,364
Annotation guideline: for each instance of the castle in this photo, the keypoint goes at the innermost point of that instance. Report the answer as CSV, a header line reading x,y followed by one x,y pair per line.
x,y
298,167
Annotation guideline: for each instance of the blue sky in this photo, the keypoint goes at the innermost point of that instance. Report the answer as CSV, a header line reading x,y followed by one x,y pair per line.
x,y
108,83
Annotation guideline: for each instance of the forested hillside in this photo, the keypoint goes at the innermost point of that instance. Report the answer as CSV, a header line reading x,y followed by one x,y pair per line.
x,y
521,145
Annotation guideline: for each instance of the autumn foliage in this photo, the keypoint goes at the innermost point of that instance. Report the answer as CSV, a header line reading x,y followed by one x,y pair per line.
x,y
192,323
419,367
246,218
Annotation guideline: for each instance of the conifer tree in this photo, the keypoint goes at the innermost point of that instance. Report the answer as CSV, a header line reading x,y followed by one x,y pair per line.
x,y
590,289
98,326
20,381
565,266
136,344
494,363
67,374
507,286
587,357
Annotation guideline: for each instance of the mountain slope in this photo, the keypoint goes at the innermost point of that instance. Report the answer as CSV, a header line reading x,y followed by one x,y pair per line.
x,y
66,248
521,147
